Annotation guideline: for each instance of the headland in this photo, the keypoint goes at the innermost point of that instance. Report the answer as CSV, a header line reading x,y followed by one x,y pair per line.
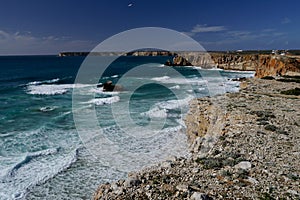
x,y
243,145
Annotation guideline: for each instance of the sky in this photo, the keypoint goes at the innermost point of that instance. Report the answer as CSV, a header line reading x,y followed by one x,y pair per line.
x,y
49,27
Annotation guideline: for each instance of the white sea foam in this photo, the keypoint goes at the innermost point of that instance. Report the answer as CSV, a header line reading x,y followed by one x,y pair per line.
x,y
47,89
48,108
173,104
115,76
103,101
180,80
46,81
215,69
232,86
160,110
175,87
242,72
53,89
155,112
99,90
173,129
160,78
35,168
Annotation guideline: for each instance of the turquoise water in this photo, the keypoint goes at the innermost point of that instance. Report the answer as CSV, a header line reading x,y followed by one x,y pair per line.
x,y
41,153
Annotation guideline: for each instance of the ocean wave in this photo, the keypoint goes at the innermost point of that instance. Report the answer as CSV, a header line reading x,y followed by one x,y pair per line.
x,y
173,104
241,72
155,112
47,89
232,86
180,80
55,80
31,156
52,89
160,110
34,169
175,87
99,90
161,65
48,108
160,78
175,129
215,69
103,101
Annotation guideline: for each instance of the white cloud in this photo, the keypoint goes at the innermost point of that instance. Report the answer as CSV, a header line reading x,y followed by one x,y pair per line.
x,y
286,20
204,29
26,43
239,38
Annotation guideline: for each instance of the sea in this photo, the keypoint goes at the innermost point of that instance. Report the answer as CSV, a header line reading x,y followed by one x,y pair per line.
x,y
44,152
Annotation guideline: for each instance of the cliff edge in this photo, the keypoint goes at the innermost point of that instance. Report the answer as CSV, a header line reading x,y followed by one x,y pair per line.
x,y
244,145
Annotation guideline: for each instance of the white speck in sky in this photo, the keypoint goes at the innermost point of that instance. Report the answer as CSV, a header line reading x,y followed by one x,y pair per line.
x,y
130,5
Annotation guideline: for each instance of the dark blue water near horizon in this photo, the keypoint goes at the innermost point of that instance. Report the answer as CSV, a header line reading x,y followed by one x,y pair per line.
x,y
41,154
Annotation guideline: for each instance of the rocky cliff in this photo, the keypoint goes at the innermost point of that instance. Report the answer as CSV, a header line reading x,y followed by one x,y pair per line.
x,y
244,145
247,62
265,64
271,65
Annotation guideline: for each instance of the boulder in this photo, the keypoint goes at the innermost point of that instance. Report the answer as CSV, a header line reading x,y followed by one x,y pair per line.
x,y
132,180
200,196
109,87
246,165
178,61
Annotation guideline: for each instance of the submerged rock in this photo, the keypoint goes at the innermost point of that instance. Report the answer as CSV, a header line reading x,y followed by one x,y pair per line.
x,y
109,87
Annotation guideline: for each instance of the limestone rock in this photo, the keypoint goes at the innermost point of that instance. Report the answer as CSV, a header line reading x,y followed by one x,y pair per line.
x,y
132,181
243,165
200,196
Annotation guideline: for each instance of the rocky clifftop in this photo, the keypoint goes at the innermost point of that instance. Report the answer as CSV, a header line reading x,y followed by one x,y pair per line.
x,y
244,145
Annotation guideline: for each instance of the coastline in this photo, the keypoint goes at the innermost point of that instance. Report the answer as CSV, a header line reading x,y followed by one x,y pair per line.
x,y
245,146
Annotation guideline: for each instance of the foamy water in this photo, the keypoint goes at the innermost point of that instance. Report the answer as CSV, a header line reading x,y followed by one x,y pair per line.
x,y
42,155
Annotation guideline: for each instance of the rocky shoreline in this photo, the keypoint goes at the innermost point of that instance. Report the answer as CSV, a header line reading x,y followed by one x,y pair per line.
x,y
264,63
243,145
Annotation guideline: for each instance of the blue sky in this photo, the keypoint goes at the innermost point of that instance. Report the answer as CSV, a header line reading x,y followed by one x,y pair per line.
x,y
48,27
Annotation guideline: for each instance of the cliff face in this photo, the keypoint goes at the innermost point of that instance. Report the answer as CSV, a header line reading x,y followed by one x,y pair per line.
x,y
227,61
240,145
277,65
236,62
264,65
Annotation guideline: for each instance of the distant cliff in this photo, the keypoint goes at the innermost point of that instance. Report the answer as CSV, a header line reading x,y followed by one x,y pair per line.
x,y
264,63
222,60
134,53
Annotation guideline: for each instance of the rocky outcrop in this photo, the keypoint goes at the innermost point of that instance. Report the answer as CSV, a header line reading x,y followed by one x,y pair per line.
x,y
263,64
271,65
109,87
246,62
178,61
244,146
